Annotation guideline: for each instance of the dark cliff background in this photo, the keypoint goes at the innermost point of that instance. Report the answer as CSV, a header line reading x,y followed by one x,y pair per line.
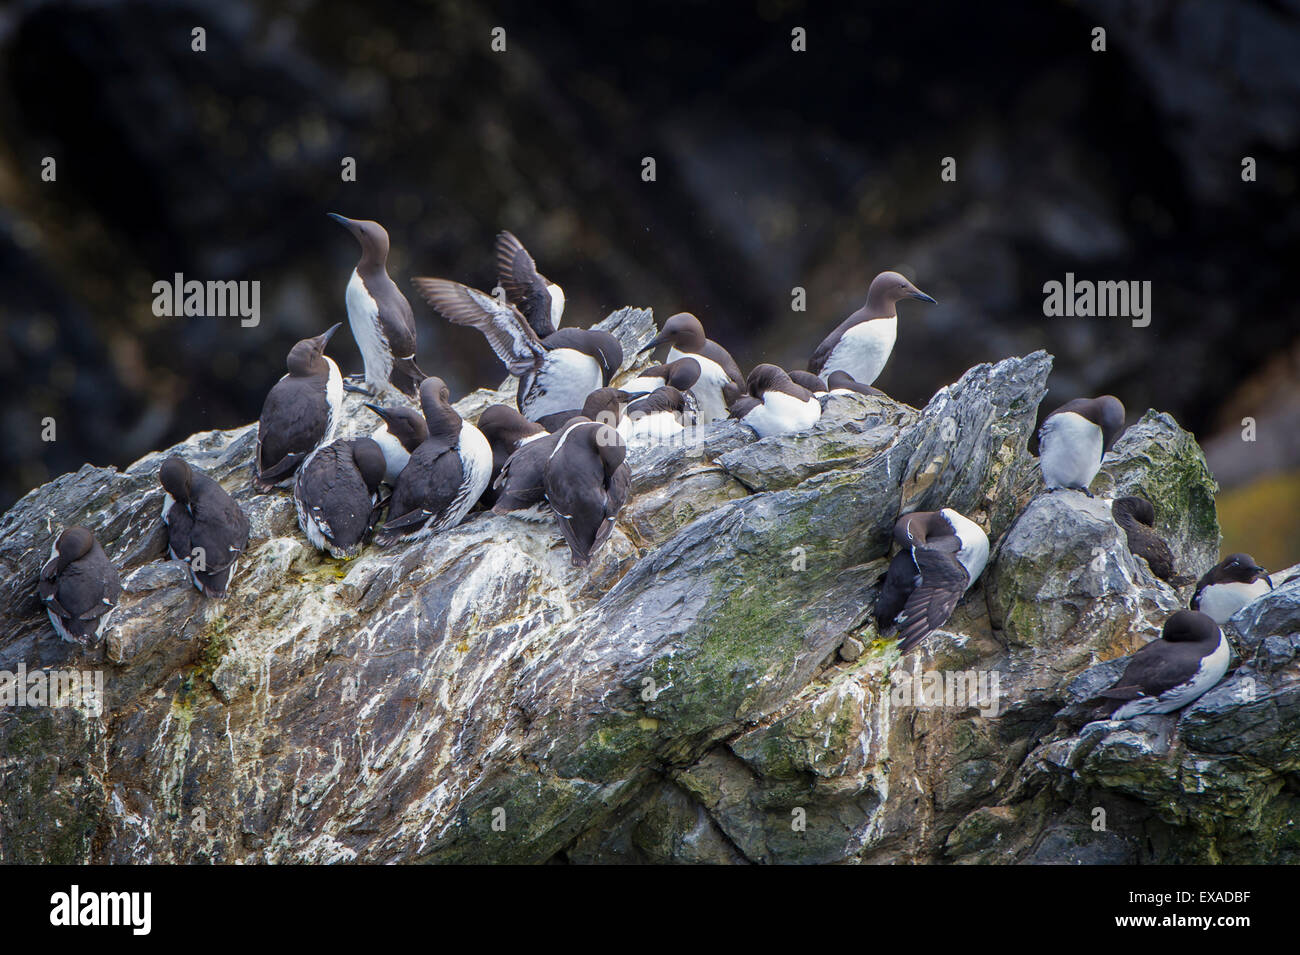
x,y
775,169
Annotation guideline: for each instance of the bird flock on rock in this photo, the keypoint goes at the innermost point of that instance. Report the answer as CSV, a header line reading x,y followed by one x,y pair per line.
x,y
560,453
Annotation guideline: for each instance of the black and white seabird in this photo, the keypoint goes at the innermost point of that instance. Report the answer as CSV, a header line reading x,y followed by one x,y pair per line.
x,y
810,381
506,431
379,314
862,343
556,373
657,417
1074,438
336,494
685,336
205,527
681,374
1137,517
520,487
775,404
943,553
603,404
538,299
301,412
587,483
79,586
840,382
403,431
1229,585
445,476
1190,657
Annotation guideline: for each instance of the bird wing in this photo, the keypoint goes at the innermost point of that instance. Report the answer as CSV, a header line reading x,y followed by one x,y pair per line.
x,y
525,288
1150,673
510,336
943,581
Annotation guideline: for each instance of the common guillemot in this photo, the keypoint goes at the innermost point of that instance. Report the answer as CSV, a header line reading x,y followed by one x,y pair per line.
x,y
205,527
587,482
506,430
774,404
538,299
603,404
942,554
336,494
657,417
1137,517
445,476
841,382
301,412
1229,585
1190,657
379,314
682,374
862,343
555,374
1075,437
79,586
810,381
520,487
685,336
403,430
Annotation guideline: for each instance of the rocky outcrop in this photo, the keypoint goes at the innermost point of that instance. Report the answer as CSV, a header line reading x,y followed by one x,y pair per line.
x,y
710,689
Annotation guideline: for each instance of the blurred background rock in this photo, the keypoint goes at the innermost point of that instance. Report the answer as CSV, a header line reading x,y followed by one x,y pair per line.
x,y
775,169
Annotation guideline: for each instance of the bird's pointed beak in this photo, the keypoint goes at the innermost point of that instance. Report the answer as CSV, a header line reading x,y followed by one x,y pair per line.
x,y
376,409
654,343
324,337
342,220
920,296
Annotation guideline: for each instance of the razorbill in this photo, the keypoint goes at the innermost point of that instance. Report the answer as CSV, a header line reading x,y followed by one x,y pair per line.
x,y
538,299
776,404
379,314
556,373
1229,585
205,527
445,476
301,412
685,336
506,430
943,553
1190,657
336,494
403,430
862,343
587,482
1137,517
1074,438
79,586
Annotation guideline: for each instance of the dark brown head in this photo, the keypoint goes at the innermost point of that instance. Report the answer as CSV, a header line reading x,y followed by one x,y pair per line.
x,y
368,456
808,380
176,478
73,544
1137,508
604,404
504,425
682,330
887,288
435,401
772,378
307,358
405,424
372,237
1237,569
1110,418
1190,626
